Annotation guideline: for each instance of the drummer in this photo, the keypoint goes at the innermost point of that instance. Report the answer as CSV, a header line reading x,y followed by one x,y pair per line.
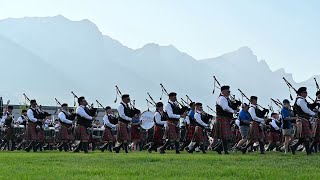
x,y
22,120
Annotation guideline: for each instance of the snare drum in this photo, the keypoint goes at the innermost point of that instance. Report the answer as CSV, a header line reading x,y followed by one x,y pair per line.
x,y
49,133
97,133
18,130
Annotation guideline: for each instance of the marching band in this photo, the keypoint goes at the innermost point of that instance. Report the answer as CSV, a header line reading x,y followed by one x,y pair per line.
x,y
237,126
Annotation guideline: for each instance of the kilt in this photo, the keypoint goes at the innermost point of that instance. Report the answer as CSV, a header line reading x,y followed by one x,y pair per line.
x,y
222,128
199,134
255,132
273,136
9,133
41,135
136,133
31,133
65,133
107,135
158,134
303,128
316,129
173,133
122,132
190,132
82,133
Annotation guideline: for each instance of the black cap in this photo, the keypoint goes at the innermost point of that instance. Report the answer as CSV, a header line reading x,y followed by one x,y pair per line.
x,y
64,105
172,94
24,111
253,98
159,104
286,101
272,114
10,107
107,108
318,92
33,101
301,89
198,104
225,88
192,104
125,96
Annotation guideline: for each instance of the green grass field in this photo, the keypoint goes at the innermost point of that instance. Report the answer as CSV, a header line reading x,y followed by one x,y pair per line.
x,y
142,165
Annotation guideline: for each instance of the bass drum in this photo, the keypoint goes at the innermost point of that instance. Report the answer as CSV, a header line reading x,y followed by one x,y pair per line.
x,y
147,120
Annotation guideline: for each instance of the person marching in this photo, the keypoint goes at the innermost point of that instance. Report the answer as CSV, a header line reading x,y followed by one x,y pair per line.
x,y
108,137
256,134
66,119
22,120
303,126
84,121
191,124
274,134
8,120
126,114
244,123
198,137
288,118
172,132
222,128
160,118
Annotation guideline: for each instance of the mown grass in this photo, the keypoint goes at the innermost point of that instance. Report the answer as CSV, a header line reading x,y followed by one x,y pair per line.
x,y
142,165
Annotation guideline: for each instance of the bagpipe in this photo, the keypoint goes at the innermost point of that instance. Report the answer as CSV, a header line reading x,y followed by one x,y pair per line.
x,y
260,113
92,110
132,109
235,104
71,116
182,109
41,113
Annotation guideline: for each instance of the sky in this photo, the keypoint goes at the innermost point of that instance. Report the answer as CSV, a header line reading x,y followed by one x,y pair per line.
x,y
286,33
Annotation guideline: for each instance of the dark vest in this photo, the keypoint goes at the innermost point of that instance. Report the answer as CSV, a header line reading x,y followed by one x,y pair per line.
x,y
8,120
298,111
68,116
164,117
113,120
128,112
24,122
175,110
273,129
38,115
83,121
221,112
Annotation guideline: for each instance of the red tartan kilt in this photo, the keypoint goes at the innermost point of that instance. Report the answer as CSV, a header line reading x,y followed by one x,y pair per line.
x,y
31,132
41,135
190,132
172,133
238,135
135,132
158,134
122,132
64,133
316,131
222,128
82,133
107,135
273,137
255,132
306,130
9,133
199,135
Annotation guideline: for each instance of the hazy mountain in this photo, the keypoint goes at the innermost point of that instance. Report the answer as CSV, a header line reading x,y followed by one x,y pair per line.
x,y
60,55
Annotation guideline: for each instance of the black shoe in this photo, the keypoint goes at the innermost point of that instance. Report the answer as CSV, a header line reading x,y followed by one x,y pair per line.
x,y
103,147
85,147
226,152
293,150
243,150
116,149
162,151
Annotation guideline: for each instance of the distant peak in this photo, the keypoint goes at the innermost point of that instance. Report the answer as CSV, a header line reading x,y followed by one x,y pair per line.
x,y
245,50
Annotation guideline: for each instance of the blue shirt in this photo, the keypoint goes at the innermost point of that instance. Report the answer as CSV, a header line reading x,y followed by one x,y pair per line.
x,y
284,114
191,114
244,116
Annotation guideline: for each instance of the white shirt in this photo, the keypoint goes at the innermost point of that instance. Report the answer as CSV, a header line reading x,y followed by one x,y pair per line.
x,y
252,111
169,111
223,102
4,117
106,122
274,124
157,117
20,120
31,116
303,104
122,114
197,116
81,112
63,118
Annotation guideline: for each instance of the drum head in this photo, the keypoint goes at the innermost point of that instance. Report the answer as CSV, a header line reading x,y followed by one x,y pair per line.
x,y
146,119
